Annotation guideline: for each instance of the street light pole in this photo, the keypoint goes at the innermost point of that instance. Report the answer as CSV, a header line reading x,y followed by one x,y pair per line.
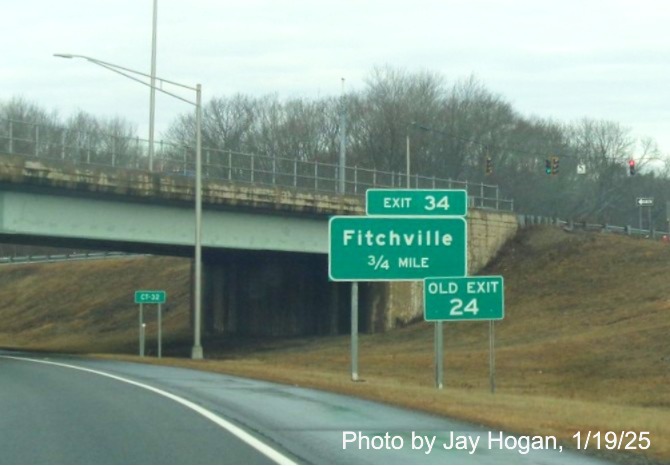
x,y
196,352
152,92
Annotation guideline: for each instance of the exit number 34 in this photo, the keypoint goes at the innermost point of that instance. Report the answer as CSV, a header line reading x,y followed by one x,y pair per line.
x,y
432,203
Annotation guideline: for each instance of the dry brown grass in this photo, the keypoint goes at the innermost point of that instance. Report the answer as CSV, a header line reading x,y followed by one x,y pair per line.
x,y
79,305
583,345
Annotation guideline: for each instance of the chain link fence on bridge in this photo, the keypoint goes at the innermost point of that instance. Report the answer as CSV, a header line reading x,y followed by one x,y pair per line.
x,y
105,150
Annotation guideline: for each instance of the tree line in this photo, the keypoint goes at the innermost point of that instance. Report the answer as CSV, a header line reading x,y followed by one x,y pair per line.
x,y
453,129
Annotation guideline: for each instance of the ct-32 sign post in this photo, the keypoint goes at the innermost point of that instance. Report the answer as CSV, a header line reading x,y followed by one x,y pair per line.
x,y
143,297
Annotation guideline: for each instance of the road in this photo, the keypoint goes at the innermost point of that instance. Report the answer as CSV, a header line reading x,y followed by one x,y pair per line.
x,y
58,409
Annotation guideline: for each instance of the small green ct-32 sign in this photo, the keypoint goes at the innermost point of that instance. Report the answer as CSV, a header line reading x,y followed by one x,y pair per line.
x,y
150,297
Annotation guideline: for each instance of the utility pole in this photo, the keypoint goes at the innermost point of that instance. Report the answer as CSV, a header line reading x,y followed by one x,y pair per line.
x,y
343,143
407,157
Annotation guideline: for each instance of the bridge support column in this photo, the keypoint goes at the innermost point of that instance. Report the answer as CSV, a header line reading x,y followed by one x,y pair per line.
x,y
215,294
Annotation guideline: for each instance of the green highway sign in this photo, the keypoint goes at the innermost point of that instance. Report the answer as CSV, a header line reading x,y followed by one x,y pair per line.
x,y
415,202
150,297
396,248
466,298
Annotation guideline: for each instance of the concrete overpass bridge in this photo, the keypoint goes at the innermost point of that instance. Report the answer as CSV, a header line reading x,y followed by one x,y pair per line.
x,y
264,245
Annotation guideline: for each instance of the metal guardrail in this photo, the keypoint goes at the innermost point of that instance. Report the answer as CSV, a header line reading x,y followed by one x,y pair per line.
x,y
99,149
570,225
64,257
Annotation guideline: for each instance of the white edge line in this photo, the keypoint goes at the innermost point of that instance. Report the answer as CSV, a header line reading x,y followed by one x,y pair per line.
x,y
247,438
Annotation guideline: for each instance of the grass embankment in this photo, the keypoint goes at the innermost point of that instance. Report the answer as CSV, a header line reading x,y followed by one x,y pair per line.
x,y
583,346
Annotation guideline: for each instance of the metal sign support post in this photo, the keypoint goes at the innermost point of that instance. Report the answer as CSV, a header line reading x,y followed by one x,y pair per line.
x,y
437,216
640,208
141,328
439,355
160,331
144,337
649,203
492,356
354,331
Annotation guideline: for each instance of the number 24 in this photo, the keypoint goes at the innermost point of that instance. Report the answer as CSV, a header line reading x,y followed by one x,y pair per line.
x,y
457,304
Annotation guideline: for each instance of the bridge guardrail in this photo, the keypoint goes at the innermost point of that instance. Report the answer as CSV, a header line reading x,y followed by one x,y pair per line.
x,y
63,257
98,149
529,220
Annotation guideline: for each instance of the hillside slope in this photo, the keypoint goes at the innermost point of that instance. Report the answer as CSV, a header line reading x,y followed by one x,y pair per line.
x,y
583,346
88,305
591,312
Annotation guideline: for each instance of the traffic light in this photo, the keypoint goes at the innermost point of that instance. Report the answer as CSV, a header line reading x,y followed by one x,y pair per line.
x,y
489,165
547,166
554,165
631,167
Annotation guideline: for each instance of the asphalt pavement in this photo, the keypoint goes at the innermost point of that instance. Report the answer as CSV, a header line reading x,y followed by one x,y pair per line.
x,y
56,409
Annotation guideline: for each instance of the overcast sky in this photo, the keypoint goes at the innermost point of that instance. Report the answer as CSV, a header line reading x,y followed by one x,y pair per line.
x,y
564,59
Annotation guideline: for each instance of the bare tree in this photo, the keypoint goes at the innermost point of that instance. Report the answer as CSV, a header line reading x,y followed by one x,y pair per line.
x,y
101,141
391,102
26,125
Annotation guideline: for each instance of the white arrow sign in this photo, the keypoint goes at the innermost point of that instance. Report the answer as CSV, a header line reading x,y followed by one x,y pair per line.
x,y
645,201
